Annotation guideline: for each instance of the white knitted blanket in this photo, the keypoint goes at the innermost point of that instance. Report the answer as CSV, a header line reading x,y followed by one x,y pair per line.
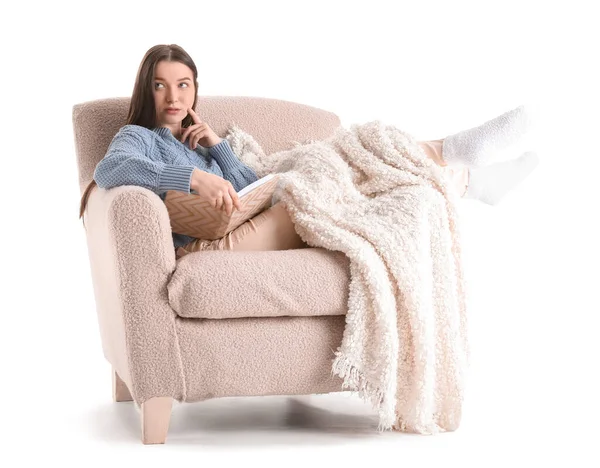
x,y
371,192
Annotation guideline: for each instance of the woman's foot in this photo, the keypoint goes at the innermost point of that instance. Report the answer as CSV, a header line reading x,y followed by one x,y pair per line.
x,y
491,183
499,139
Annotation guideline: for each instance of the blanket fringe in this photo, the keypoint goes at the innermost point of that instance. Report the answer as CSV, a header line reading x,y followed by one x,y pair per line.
x,y
355,380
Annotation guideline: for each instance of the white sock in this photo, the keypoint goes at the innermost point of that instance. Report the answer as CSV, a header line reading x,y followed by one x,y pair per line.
x,y
489,184
499,139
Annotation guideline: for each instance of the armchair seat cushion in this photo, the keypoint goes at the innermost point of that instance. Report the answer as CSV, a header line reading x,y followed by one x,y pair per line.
x,y
219,284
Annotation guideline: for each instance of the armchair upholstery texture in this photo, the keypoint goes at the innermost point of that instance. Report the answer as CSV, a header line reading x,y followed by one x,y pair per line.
x,y
215,323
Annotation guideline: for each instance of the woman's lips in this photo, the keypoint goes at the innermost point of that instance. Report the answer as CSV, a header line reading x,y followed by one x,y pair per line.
x,y
172,111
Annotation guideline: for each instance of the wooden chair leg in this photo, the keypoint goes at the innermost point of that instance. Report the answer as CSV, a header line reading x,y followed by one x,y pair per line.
x,y
156,414
120,390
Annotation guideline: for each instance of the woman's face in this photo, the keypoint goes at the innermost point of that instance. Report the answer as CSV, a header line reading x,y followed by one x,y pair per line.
x,y
173,87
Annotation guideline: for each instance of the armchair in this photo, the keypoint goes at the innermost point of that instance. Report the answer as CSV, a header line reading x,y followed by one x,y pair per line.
x,y
215,323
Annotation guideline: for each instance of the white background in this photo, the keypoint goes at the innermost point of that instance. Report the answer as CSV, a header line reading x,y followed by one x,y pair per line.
x,y
431,68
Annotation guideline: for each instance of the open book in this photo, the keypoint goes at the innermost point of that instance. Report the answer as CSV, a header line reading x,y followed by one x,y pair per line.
x,y
193,216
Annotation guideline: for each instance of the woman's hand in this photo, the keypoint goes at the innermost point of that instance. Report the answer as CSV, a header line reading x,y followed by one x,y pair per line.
x,y
217,190
199,133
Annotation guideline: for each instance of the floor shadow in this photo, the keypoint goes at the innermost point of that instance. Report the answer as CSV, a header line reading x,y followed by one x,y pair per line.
x,y
246,421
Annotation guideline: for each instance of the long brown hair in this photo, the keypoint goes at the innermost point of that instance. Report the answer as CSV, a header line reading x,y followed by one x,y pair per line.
x,y
141,107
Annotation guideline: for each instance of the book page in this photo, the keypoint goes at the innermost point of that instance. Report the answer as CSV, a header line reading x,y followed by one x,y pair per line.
x,y
254,185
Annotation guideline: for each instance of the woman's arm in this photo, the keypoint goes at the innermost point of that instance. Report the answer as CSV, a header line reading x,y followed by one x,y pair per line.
x,y
239,174
129,161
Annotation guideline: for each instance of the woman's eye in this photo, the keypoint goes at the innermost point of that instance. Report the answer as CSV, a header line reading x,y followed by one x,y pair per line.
x,y
157,84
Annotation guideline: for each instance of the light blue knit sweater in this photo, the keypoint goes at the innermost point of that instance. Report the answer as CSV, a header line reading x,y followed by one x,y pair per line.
x,y
155,159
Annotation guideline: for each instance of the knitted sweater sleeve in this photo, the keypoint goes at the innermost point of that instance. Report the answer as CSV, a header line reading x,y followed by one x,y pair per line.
x,y
129,160
233,169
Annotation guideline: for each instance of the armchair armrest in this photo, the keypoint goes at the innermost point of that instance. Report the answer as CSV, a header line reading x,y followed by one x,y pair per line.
x,y
132,260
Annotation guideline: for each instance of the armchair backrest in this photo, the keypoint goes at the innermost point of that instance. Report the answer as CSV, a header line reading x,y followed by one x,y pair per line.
x,y
274,123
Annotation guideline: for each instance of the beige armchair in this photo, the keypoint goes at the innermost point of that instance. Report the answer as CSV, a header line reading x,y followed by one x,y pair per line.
x,y
216,323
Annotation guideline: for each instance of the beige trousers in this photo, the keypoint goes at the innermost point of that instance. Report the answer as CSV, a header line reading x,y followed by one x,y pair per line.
x,y
273,229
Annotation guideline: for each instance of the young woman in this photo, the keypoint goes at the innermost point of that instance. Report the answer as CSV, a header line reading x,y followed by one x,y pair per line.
x,y
164,145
